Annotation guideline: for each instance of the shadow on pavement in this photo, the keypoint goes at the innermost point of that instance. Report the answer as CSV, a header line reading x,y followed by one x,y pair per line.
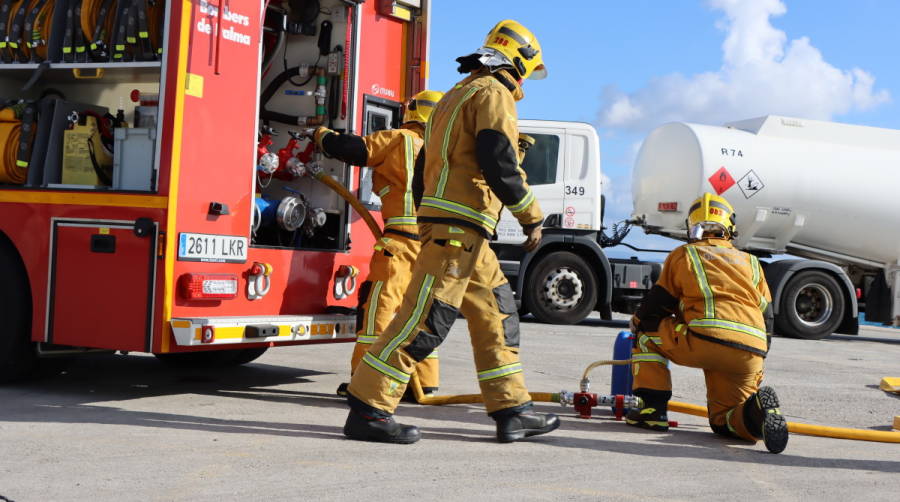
x,y
856,338
90,379
888,394
104,378
692,441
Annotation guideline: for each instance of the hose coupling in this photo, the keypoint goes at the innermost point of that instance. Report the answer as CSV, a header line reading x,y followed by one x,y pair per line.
x,y
585,384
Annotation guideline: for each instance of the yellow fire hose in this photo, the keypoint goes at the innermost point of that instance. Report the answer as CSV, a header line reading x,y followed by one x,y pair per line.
x,y
544,397
686,408
333,184
806,429
10,129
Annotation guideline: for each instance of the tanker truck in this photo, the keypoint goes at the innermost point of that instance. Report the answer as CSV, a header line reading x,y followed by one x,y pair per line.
x,y
823,192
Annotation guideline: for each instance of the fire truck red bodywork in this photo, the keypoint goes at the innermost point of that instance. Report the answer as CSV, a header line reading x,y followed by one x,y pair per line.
x,y
128,298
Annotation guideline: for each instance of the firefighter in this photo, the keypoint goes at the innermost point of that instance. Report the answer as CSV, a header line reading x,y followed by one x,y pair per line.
x,y
710,310
467,171
391,154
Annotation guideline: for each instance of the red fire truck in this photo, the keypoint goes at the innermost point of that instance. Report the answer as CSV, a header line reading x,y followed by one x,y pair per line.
x,y
153,195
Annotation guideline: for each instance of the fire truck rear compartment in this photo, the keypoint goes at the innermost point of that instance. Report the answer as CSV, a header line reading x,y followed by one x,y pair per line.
x,y
302,87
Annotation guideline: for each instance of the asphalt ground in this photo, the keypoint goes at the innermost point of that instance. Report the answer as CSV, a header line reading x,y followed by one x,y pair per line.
x,y
119,427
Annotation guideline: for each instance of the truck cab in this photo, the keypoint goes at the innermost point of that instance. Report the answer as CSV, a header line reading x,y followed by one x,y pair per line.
x,y
569,275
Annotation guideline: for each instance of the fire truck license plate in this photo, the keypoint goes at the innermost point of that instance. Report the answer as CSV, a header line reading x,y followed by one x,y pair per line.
x,y
212,248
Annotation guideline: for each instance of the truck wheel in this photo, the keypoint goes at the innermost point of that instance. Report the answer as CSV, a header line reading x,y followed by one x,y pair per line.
x,y
562,289
18,358
812,306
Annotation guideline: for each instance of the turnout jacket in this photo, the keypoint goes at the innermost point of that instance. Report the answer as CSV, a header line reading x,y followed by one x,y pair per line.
x,y
468,169
718,292
392,155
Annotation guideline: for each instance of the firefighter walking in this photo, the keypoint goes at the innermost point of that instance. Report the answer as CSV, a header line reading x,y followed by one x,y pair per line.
x,y
469,164
391,155
710,310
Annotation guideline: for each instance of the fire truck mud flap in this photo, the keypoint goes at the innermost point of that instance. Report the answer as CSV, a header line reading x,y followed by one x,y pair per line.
x,y
255,329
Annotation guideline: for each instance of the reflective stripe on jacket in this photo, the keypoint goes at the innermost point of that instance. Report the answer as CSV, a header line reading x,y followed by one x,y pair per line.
x,y
471,162
392,156
722,293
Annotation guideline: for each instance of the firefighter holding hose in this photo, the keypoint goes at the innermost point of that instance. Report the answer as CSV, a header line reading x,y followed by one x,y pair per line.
x,y
468,171
709,309
391,154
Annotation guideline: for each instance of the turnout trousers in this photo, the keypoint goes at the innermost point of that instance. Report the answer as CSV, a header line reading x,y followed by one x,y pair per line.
x,y
456,271
732,375
380,296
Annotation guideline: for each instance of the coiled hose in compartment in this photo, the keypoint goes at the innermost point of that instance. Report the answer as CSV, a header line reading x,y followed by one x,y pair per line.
x,y
10,133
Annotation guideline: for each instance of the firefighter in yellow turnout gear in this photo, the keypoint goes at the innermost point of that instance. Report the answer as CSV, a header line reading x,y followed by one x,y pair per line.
x,y
469,170
391,154
710,310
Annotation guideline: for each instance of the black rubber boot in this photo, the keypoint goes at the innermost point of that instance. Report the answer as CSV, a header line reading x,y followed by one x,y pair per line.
x,y
651,418
765,421
520,422
379,430
342,389
653,415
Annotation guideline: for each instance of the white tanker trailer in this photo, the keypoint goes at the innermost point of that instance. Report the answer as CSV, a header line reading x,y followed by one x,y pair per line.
x,y
823,191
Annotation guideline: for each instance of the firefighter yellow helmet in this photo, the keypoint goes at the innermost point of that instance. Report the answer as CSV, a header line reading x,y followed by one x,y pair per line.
x,y
525,142
519,46
710,214
421,105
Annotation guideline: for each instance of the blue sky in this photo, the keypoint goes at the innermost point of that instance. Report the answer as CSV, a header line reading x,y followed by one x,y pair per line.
x,y
813,59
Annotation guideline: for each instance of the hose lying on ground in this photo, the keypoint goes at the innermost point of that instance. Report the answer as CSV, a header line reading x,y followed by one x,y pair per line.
x,y
544,397
806,429
687,408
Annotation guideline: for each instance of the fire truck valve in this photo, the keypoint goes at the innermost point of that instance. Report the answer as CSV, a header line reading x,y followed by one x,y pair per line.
x,y
584,401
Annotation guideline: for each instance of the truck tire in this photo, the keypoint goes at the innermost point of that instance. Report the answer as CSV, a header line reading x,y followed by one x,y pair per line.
x,y
211,358
812,306
18,358
561,289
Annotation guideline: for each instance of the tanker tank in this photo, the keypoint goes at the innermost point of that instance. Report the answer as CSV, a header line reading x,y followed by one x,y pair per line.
x,y
810,188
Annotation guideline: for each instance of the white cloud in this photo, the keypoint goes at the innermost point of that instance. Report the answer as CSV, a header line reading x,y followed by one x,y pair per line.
x,y
761,74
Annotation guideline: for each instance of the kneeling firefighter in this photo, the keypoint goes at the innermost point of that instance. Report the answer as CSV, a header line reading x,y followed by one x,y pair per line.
x,y
710,310
391,154
467,171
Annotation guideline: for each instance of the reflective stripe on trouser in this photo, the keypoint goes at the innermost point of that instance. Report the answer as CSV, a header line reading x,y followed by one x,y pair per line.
x,y
388,276
455,270
732,375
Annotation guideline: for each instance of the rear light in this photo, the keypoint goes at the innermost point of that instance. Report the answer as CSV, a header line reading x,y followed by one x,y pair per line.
x,y
209,286
207,334
667,207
